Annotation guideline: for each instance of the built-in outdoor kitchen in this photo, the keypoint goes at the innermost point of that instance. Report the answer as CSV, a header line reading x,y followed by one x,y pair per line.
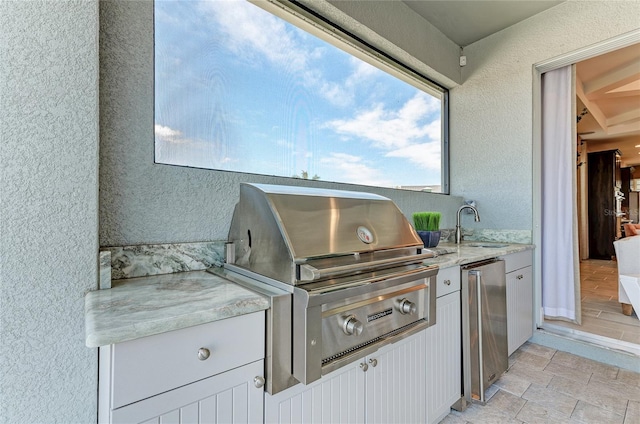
x,y
88,215
322,306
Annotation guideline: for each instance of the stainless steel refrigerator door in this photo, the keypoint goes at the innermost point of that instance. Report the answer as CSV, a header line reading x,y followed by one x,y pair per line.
x,y
487,327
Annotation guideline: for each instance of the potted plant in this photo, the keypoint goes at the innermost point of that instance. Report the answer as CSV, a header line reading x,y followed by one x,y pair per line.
x,y
427,225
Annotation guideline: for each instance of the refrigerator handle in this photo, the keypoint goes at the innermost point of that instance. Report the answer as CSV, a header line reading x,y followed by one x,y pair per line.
x,y
478,275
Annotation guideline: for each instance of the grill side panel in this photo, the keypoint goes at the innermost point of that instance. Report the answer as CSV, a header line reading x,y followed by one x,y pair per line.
x,y
257,237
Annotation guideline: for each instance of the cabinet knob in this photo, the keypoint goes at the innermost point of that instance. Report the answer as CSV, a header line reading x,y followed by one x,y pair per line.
x,y
203,353
258,381
363,366
447,282
373,362
520,277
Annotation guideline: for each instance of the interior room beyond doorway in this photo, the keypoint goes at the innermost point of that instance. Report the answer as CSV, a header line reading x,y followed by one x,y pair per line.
x,y
608,120
601,312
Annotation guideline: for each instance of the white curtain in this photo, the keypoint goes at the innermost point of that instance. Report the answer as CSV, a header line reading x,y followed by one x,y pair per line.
x,y
560,264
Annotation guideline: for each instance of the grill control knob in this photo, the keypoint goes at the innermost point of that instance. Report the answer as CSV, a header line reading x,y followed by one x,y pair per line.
x,y
352,326
407,307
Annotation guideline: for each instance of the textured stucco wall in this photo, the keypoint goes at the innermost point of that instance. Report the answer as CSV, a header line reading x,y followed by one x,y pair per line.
x,y
48,209
491,112
142,202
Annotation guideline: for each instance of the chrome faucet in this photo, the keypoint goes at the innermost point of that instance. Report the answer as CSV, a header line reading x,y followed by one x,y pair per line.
x,y
458,229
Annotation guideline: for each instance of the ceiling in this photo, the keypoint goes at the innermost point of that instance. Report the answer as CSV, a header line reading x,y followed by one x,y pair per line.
x,y
608,86
466,21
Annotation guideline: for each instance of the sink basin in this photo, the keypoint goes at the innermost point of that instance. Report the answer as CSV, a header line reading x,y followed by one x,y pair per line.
x,y
488,245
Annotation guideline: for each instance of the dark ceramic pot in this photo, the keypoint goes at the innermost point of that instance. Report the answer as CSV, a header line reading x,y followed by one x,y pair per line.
x,y
430,238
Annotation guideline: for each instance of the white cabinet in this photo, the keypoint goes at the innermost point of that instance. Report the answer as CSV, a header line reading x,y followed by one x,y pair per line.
x,y
443,348
415,380
336,398
391,390
230,397
208,369
395,382
519,299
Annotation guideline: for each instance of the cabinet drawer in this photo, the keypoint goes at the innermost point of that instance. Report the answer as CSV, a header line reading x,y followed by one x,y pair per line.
x,y
447,281
517,260
145,367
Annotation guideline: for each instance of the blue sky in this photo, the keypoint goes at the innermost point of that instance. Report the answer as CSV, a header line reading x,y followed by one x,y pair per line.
x,y
240,89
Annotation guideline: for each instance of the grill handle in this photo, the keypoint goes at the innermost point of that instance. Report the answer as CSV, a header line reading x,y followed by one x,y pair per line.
x,y
310,273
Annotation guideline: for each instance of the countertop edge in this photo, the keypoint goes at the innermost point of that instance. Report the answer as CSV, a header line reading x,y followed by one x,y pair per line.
x,y
146,306
243,300
464,253
167,325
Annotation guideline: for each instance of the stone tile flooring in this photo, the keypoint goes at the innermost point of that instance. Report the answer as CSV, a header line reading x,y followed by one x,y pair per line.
x,y
544,385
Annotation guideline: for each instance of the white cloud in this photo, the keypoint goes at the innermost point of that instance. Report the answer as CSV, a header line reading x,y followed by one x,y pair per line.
x,y
362,71
425,155
402,133
253,34
343,94
250,32
169,135
393,129
354,169
173,147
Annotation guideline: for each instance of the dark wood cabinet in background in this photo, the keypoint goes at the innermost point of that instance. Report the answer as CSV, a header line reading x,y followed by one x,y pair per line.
x,y
625,177
604,176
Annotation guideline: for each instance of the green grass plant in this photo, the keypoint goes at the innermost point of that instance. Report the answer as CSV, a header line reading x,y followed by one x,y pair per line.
x,y
427,221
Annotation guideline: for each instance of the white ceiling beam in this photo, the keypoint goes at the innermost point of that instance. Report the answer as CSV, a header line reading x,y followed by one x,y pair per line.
x,y
623,128
624,117
614,79
592,107
614,95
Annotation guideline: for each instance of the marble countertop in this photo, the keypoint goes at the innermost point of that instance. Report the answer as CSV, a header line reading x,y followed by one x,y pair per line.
x,y
451,254
144,306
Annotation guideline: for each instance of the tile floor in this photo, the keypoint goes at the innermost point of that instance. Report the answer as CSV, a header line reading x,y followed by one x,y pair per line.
x,y
544,385
601,311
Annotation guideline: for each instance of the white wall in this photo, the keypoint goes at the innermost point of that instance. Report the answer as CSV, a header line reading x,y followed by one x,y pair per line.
x,y
491,112
141,202
48,209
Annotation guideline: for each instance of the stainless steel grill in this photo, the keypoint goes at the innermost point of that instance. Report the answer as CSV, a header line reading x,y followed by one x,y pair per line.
x,y
344,270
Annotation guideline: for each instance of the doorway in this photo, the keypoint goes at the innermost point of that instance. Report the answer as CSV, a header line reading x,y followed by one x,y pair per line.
x,y
608,117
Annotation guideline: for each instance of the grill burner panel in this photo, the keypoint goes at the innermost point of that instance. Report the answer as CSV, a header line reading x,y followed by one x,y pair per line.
x,y
379,316
375,311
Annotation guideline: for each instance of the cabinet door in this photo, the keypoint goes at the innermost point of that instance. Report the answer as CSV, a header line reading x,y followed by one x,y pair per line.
x,y
230,397
444,361
337,397
395,381
519,308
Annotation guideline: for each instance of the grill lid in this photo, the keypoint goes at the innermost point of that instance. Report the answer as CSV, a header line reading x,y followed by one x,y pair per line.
x,y
274,228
